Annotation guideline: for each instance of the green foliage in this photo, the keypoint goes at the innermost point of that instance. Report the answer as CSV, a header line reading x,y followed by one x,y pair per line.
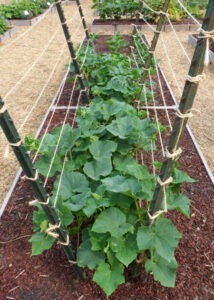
x,y
40,242
110,74
31,143
103,194
116,43
114,74
115,9
176,13
3,24
23,9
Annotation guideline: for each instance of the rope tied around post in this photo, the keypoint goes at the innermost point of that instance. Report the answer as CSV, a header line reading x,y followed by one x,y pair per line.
x,y
31,178
184,115
17,144
174,155
206,35
50,230
195,79
31,203
3,109
164,210
65,243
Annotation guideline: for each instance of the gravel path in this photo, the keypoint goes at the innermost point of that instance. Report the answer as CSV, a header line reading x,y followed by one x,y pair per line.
x,y
17,57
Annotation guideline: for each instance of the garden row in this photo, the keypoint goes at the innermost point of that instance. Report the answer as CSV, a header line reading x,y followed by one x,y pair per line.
x,y
117,9
99,190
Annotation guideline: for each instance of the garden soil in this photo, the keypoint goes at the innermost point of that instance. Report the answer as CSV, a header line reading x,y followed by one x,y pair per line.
x,y
17,56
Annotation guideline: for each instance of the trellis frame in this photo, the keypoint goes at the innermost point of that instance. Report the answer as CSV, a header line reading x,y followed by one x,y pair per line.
x,y
72,52
30,172
183,113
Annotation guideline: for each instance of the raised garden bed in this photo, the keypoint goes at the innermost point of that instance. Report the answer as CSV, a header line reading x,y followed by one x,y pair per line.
x,y
34,20
8,34
193,41
126,26
50,276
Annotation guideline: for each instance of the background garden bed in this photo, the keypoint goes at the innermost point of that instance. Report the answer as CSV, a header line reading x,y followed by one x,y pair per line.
x,y
8,34
126,26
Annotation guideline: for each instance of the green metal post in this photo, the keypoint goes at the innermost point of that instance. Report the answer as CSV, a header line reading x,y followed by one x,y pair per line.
x,y
22,156
83,19
155,40
189,92
71,49
138,16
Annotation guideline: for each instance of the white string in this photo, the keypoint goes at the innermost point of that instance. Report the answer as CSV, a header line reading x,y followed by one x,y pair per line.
x,y
29,69
65,157
138,105
36,102
33,64
170,65
153,28
188,12
156,115
139,53
162,93
52,115
46,84
60,134
178,39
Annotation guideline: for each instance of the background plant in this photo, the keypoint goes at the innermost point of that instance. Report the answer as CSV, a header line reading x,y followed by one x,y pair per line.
x,y
115,9
3,24
23,9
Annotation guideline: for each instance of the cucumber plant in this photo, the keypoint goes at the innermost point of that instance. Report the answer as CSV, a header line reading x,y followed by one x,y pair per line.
x,y
100,192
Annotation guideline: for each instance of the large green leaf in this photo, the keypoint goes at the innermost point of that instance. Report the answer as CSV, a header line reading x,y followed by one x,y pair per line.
x,y
86,257
120,200
97,168
128,165
108,278
102,149
163,270
180,176
68,136
163,237
77,202
125,248
48,144
179,202
71,183
112,220
116,184
121,127
98,240
43,165
40,242
118,83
